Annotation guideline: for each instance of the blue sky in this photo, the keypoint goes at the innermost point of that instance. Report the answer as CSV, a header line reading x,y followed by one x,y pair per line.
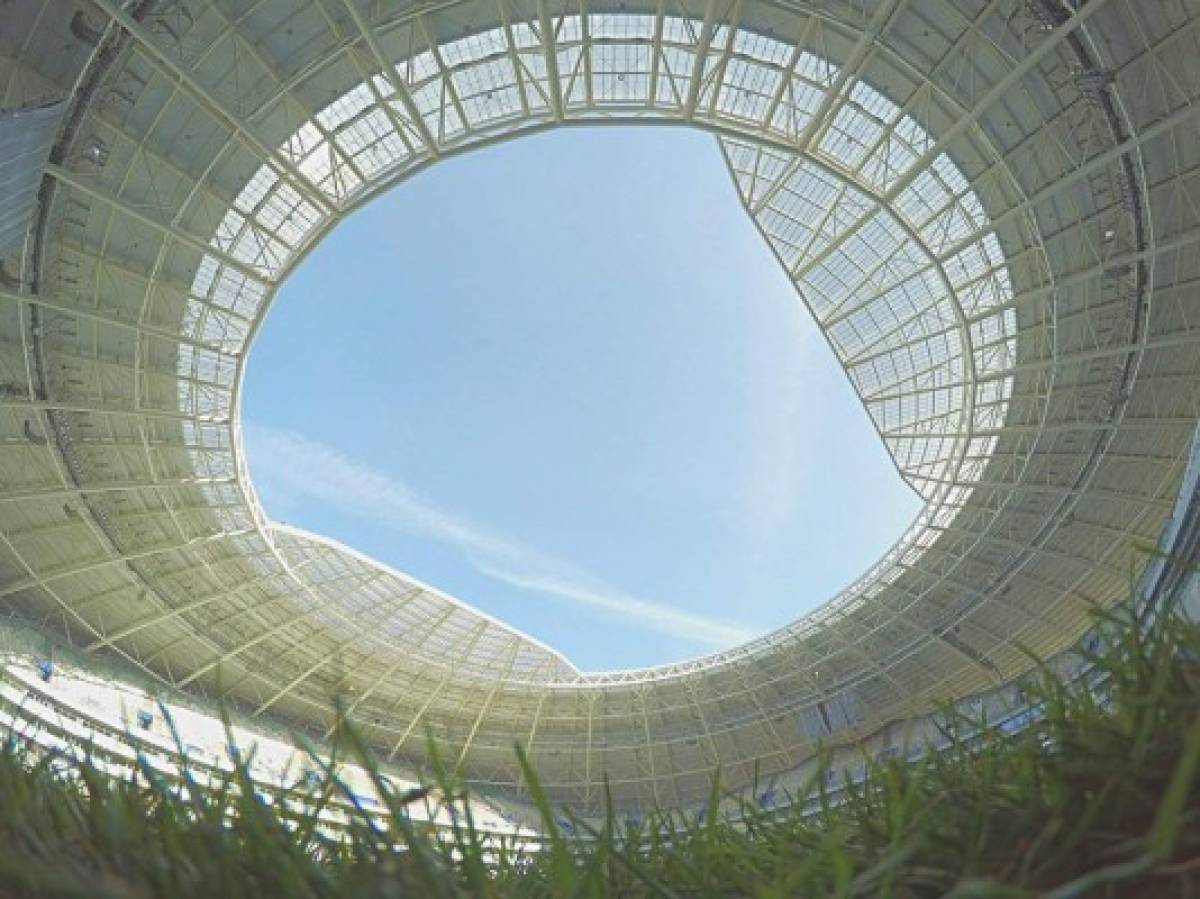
x,y
564,380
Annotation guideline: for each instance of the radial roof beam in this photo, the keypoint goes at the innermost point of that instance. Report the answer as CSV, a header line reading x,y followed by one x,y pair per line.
x,y
922,94
656,53
696,81
72,179
718,75
804,266
185,290
803,43
149,621
331,655
514,58
64,608
585,790
444,72
550,50
319,601
172,69
446,680
100,316
764,721
42,579
95,408
59,492
537,720
1182,241
1093,165
1075,18
428,630
1123,348
234,651
788,73
585,37
705,737
487,706
846,309
389,73
381,102
849,70
640,695
366,620
521,783
271,68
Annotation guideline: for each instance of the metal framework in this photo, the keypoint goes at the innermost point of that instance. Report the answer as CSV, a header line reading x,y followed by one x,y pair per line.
x,y
990,207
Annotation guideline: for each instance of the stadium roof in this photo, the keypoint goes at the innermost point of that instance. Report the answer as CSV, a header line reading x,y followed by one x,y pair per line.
x,y
991,209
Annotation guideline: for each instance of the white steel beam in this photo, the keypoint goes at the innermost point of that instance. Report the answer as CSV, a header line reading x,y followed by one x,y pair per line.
x,y
178,73
848,73
1075,19
388,70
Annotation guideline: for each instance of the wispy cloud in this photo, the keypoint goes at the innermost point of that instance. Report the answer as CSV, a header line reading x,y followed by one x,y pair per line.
x,y
295,467
782,419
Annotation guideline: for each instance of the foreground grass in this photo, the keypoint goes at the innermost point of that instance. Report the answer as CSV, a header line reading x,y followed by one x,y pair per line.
x,y
1100,797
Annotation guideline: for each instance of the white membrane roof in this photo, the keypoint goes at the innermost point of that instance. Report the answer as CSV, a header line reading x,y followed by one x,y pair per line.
x,y
989,208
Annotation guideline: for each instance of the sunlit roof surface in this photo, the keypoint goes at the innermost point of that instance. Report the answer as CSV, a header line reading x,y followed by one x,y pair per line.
x,y
986,208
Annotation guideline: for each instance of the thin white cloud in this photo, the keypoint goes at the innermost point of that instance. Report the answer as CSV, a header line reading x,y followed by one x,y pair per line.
x,y
783,417
293,466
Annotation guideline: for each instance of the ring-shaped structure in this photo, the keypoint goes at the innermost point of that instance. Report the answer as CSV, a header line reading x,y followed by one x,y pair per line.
x,y
972,215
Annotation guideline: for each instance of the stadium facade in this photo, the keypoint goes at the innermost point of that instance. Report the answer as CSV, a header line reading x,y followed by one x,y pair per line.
x,y
991,209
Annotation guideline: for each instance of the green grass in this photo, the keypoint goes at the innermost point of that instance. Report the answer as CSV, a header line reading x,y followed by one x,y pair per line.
x,y
1088,801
